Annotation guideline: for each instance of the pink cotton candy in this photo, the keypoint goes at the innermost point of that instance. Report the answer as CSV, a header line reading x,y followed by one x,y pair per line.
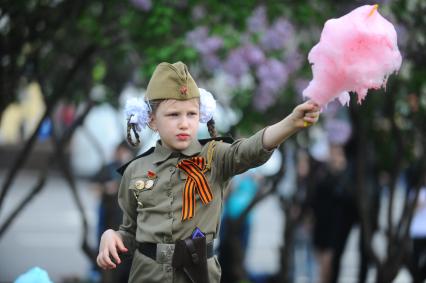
x,y
356,52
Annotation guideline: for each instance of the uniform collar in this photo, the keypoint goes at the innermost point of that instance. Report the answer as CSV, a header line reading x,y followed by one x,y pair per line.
x,y
162,153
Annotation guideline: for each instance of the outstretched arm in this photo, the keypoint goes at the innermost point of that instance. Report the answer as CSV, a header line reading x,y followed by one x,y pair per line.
x,y
302,115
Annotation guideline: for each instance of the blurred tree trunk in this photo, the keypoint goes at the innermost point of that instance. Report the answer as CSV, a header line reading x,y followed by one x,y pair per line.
x,y
287,248
59,156
397,231
59,92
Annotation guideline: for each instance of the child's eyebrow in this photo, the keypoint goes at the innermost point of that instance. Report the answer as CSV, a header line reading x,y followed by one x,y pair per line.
x,y
171,112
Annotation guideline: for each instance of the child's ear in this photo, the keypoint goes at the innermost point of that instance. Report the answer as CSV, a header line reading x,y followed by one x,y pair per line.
x,y
152,123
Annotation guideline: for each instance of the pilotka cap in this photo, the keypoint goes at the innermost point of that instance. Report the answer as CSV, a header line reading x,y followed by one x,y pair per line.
x,y
172,81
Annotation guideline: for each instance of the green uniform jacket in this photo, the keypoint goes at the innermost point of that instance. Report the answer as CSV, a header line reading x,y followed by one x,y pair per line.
x,y
155,215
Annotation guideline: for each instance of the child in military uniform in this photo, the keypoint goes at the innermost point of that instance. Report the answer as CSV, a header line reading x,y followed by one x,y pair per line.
x,y
178,185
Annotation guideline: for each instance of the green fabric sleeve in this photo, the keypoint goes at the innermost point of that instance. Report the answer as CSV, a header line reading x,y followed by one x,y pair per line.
x,y
238,157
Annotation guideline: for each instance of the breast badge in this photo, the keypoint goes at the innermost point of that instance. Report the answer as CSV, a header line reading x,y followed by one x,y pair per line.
x,y
139,184
149,184
142,184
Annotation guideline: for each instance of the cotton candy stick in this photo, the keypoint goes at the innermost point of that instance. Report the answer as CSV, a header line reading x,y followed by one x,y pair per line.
x,y
356,52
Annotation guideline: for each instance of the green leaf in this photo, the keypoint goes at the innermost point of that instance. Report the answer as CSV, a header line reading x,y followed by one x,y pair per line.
x,y
99,71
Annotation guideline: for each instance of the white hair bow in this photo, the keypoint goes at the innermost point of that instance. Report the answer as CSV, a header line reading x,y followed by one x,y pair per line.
x,y
137,112
207,105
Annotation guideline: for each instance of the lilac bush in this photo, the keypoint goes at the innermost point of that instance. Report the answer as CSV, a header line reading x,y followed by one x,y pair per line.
x,y
276,37
207,46
257,22
265,51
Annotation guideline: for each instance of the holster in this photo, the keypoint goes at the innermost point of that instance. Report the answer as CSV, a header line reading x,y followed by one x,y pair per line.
x,y
190,255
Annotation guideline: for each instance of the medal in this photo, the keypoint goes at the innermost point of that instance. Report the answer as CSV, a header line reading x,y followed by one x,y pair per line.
x,y
149,184
139,184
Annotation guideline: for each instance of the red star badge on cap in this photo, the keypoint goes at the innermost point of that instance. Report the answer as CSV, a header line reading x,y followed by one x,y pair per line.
x,y
183,89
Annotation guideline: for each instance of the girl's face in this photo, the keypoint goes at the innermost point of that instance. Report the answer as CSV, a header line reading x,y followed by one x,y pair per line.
x,y
177,122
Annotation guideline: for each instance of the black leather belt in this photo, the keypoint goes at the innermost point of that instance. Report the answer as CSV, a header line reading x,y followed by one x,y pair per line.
x,y
150,250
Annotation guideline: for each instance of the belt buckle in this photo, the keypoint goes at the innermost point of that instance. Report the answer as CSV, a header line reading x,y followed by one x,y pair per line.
x,y
165,253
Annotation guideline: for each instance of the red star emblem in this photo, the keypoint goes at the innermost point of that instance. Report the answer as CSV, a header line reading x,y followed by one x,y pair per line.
x,y
151,174
183,89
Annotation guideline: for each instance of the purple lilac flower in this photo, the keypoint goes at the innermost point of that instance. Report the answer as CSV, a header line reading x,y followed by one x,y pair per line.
x,y
276,37
269,41
253,54
200,40
283,27
235,63
273,74
197,35
263,99
211,62
257,22
294,60
144,5
210,45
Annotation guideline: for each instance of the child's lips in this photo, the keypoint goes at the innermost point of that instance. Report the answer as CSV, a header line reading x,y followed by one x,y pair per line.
x,y
183,137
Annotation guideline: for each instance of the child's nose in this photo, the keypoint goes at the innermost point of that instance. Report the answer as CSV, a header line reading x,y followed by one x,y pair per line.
x,y
184,122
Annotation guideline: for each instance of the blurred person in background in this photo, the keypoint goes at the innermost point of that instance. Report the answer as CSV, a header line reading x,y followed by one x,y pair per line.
x,y
334,211
107,182
242,192
346,211
304,258
417,265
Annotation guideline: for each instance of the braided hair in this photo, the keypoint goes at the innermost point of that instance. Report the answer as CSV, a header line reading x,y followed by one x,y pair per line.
x,y
132,127
153,105
212,128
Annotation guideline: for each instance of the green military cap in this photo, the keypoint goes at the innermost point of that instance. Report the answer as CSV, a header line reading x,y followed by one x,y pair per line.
x,y
172,81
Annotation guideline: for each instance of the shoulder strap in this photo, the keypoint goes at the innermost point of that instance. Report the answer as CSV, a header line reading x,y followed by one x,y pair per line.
x,y
123,167
210,153
221,139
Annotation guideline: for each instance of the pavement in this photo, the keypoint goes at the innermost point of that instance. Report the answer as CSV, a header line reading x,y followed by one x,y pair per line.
x,y
48,232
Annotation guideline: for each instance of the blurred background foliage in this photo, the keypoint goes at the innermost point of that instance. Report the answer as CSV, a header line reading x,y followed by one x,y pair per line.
x,y
260,46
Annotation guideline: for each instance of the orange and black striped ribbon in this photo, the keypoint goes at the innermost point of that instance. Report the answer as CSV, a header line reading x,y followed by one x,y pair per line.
x,y
195,183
